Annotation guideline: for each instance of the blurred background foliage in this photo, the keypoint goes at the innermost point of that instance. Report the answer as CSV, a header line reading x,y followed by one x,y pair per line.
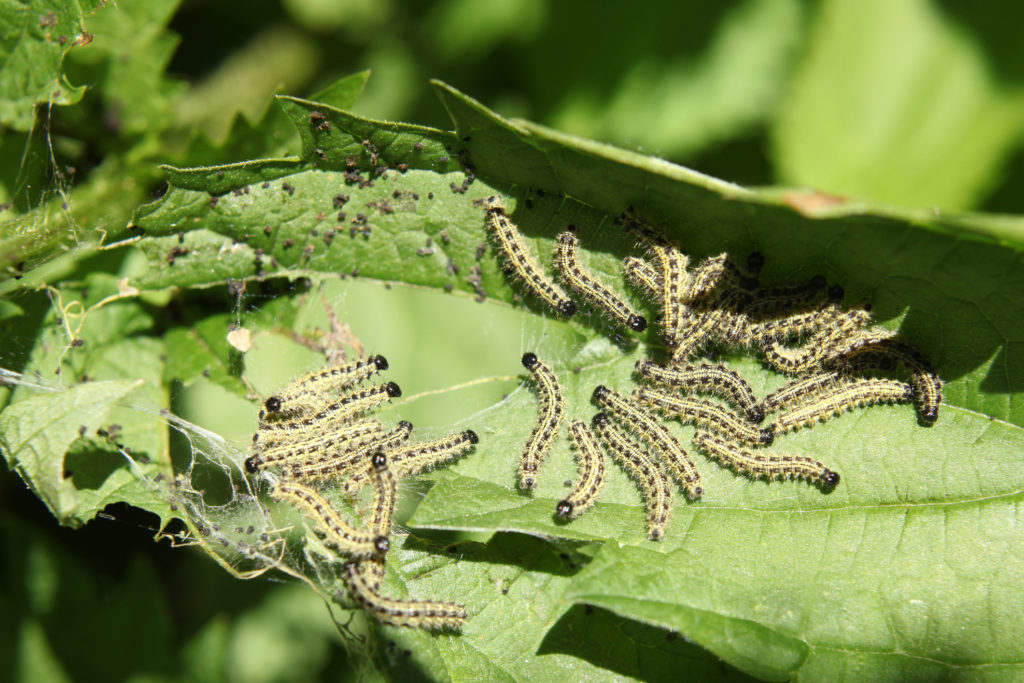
x,y
904,102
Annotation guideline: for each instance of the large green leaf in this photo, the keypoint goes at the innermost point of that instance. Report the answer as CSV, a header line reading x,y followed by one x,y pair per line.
x,y
906,570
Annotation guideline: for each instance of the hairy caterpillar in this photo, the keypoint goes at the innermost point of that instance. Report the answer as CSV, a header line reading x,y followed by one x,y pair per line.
x,y
328,417
552,408
342,463
344,439
522,262
639,420
336,531
334,378
850,394
648,473
705,414
425,614
414,458
591,470
717,380
771,466
567,261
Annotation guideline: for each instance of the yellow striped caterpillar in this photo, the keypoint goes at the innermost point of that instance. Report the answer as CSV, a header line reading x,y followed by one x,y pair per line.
x,y
385,491
717,380
642,422
552,408
567,261
340,463
522,262
850,394
648,473
336,531
926,382
771,466
414,458
425,614
591,471
705,414
344,439
643,275
338,377
327,418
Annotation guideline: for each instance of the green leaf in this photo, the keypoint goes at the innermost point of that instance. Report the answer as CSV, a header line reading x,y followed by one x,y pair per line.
x,y
882,575
893,103
34,37
37,433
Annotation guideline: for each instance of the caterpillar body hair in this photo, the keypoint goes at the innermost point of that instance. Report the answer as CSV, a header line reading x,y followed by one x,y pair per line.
x,y
647,473
591,473
332,379
567,261
552,409
385,493
644,276
350,462
837,371
714,276
773,301
415,458
717,380
425,614
923,378
853,393
344,439
796,324
334,529
522,262
705,414
770,466
327,417
655,433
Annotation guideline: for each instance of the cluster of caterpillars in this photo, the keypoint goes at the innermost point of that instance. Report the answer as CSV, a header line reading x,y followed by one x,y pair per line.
x,y
521,263
317,430
838,362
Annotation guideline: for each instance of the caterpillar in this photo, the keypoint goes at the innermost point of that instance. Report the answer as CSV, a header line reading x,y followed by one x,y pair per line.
x,y
838,335
648,473
336,531
552,408
522,262
846,396
333,378
717,380
843,368
591,470
351,461
705,414
717,274
385,492
639,420
673,276
925,381
771,466
567,261
414,458
344,439
328,417
643,275
425,614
